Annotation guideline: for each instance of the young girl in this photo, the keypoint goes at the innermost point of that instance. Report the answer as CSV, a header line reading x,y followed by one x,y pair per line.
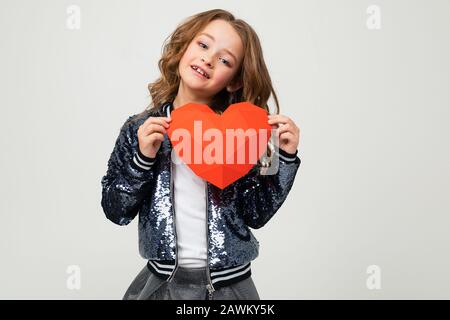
x,y
194,235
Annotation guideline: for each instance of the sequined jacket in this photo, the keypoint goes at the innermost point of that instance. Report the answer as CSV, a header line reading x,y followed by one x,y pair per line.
x,y
136,184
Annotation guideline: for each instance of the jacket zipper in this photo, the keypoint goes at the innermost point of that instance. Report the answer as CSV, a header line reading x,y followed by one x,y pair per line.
x,y
209,286
174,222
173,206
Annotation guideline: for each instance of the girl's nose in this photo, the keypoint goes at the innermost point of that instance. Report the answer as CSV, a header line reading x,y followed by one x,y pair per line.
x,y
208,63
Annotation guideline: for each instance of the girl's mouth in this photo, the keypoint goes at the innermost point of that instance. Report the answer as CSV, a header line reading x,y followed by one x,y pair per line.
x,y
199,72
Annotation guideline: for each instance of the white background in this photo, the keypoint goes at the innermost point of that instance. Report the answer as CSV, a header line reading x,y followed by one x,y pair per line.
x,y
372,106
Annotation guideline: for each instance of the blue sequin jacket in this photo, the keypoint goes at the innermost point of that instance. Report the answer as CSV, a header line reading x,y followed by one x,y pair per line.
x,y
135,184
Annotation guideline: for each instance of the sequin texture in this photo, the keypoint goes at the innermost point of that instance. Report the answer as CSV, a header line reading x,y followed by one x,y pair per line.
x,y
250,202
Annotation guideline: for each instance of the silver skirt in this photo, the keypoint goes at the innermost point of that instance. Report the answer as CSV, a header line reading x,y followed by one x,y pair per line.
x,y
187,284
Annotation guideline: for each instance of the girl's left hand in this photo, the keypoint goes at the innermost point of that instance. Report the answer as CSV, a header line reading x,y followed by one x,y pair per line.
x,y
288,132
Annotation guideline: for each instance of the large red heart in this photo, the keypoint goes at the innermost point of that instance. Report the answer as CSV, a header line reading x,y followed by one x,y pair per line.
x,y
199,137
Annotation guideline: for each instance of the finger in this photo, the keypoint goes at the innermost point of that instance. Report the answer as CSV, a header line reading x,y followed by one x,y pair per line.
x,y
276,118
146,122
154,127
276,126
276,122
285,128
282,120
155,136
286,136
161,121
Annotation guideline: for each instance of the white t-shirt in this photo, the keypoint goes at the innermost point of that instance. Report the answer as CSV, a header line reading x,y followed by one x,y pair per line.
x,y
190,215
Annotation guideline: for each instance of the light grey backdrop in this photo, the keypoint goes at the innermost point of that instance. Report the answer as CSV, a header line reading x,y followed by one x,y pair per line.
x,y
372,106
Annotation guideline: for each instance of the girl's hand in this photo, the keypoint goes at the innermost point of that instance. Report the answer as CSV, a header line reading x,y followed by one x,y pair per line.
x,y
151,135
288,133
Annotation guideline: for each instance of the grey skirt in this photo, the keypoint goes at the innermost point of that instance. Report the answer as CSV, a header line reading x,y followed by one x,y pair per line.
x,y
187,284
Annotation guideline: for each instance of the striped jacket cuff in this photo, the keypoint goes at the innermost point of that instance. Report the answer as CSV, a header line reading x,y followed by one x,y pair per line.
x,y
285,156
141,162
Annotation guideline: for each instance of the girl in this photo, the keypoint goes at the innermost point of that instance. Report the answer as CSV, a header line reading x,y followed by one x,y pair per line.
x,y
195,236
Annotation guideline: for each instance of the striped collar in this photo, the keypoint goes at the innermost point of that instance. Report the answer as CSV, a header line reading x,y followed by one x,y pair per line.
x,y
167,108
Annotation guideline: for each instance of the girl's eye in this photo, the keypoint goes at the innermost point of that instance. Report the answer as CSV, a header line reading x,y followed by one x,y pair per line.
x,y
204,46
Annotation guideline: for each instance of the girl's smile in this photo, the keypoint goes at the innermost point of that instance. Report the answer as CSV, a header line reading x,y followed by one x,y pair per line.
x,y
200,72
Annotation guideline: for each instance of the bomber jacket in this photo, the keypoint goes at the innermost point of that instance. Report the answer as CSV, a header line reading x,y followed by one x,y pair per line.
x,y
135,184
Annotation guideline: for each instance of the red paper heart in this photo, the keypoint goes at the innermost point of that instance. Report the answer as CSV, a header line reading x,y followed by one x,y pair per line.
x,y
205,146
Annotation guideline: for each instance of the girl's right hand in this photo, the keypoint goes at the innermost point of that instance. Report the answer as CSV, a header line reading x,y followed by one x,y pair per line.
x,y
151,135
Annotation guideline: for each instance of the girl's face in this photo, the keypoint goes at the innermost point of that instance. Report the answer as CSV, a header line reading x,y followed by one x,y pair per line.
x,y
217,50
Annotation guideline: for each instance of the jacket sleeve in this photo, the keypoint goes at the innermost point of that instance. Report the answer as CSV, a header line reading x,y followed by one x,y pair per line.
x,y
260,195
128,178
